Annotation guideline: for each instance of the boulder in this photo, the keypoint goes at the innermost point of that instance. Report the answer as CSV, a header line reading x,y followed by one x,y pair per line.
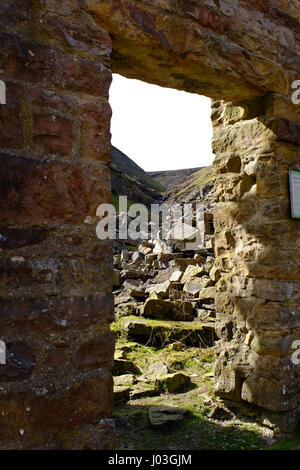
x,y
195,286
208,293
161,290
126,379
128,308
192,272
142,390
124,366
155,370
172,383
162,415
203,314
121,392
159,332
220,412
176,276
159,309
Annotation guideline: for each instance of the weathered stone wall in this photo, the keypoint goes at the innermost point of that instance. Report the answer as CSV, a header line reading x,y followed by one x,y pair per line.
x,y
257,249
246,53
56,276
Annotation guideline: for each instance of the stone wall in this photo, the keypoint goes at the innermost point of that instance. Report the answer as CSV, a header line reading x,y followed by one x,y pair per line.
x,y
55,283
55,275
257,249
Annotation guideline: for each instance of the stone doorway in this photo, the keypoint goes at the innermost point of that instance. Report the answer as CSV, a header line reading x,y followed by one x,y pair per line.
x,y
255,142
56,63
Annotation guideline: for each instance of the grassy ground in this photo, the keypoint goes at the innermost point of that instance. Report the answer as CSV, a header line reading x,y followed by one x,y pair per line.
x,y
196,431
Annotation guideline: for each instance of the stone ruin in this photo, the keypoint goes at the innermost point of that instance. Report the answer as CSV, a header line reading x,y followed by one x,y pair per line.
x,y
56,60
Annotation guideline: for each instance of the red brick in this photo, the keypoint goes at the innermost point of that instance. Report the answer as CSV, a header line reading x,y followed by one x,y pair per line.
x,y
52,134
50,68
41,408
34,191
204,15
95,132
77,31
50,314
97,352
45,99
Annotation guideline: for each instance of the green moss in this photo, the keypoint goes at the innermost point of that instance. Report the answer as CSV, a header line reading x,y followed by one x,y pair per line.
x,y
291,443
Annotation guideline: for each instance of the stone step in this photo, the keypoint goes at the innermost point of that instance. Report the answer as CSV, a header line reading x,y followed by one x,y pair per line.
x,y
162,332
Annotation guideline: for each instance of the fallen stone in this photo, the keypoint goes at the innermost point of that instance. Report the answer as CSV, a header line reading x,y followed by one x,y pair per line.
x,y
143,390
159,309
220,412
128,308
193,287
132,273
159,332
117,260
162,415
124,256
172,383
156,370
182,263
191,272
208,293
126,379
124,366
203,314
161,290
160,246
176,276
121,392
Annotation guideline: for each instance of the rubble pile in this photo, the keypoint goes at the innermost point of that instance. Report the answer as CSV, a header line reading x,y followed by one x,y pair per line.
x,y
163,298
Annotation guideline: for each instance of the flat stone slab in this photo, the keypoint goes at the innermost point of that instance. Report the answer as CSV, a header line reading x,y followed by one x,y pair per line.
x,y
162,415
162,333
143,390
121,392
122,380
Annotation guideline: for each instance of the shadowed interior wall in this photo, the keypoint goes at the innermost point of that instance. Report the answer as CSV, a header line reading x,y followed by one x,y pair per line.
x,y
55,275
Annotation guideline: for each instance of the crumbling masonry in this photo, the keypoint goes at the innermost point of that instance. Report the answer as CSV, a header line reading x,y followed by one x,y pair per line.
x,y
56,59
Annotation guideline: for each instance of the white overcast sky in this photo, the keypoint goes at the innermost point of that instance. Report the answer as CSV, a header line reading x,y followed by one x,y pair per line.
x,y
160,128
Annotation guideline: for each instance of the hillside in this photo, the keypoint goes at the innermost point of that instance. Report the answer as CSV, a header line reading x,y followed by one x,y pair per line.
x,y
196,186
173,177
124,164
128,179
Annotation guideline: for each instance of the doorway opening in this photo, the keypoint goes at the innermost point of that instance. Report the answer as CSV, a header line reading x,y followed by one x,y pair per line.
x,y
164,288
